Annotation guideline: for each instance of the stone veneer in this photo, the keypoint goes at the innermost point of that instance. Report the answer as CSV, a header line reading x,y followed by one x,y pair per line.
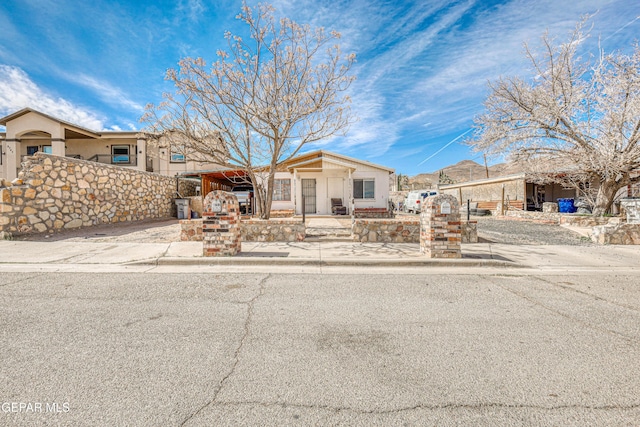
x,y
440,227
373,213
559,218
252,230
53,193
386,230
403,231
616,234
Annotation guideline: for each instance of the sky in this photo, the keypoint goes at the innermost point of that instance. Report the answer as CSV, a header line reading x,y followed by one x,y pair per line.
x,y
422,66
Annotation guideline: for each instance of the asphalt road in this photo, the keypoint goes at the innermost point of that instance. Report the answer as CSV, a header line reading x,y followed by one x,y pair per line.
x,y
284,349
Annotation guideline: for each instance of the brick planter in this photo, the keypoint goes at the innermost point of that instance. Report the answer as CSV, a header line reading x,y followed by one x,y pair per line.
x,y
440,227
221,224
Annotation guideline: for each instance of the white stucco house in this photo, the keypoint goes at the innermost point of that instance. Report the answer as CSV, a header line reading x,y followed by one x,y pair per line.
x,y
317,177
322,175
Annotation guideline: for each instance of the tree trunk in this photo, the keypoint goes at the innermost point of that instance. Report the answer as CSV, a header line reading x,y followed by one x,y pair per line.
x,y
606,195
268,197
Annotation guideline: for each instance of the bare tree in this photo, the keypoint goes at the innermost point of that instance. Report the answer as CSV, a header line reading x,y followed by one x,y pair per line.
x,y
573,123
262,100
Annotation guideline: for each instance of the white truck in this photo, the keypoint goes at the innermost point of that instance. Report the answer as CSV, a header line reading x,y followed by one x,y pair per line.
x,y
415,198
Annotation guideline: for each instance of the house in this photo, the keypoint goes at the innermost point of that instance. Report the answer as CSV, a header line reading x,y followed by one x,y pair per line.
x,y
517,190
309,181
29,131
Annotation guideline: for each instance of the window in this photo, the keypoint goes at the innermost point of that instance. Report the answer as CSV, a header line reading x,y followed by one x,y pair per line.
x,y
120,154
282,190
33,149
177,155
364,189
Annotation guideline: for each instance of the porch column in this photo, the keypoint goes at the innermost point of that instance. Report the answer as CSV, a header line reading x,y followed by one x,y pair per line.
x,y
58,142
58,147
294,192
141,154
11,158
352,202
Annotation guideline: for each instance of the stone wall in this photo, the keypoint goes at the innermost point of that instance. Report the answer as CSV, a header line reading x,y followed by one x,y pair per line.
x,y
187,187
373,213
402,231
252,230
386,231
54,193
533,216
273,230
282,213
588,220
559,218
616,234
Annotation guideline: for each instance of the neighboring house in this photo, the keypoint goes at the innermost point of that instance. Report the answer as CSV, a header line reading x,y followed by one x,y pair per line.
x,y
29,131
318,177
518,191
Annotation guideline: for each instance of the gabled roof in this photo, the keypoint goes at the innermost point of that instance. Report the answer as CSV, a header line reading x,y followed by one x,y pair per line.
x,y
308,159
24,111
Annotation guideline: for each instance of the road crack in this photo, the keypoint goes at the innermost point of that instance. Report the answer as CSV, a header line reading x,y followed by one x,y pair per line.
x,y
434,407
23,279
238,351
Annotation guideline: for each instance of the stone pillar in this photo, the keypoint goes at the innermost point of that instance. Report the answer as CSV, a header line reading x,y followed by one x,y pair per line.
x,y
550,207
440,227
141,154
221,224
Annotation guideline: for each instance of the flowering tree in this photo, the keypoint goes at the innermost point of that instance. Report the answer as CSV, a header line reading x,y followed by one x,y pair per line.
x,y
573,123
260,102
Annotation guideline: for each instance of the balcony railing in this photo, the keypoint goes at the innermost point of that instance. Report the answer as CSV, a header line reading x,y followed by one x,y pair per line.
x,y
108,159
115,159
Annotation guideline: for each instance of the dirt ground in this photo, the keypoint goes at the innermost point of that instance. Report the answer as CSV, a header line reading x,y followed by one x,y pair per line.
x,y
156,231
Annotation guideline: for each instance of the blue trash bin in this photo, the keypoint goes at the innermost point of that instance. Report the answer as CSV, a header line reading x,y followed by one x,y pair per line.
x,y
566,206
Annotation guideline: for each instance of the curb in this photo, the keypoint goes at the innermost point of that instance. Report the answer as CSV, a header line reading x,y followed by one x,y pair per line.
x,y
330,262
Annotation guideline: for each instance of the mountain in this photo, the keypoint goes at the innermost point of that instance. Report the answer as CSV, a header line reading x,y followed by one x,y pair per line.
x,y
463,171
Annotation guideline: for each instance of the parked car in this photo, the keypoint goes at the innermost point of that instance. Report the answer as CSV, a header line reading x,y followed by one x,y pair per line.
x,y
415,198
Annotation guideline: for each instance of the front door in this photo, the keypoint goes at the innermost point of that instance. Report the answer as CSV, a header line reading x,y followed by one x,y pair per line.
x,y
309,195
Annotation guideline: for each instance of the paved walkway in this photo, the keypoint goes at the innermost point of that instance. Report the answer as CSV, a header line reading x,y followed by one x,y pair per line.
x,y
320,253
328,228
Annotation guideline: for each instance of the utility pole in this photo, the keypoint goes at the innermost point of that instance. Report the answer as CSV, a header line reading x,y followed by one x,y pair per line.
x,y
486,169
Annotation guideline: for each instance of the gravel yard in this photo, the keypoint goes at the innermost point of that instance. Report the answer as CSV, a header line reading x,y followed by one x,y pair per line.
x,y
491,230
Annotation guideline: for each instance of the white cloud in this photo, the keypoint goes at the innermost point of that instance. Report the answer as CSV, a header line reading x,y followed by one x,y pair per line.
x,y
107,92
18,91
192,9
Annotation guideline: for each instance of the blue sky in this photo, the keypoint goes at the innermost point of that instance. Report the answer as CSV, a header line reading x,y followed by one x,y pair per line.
x,y
422,66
